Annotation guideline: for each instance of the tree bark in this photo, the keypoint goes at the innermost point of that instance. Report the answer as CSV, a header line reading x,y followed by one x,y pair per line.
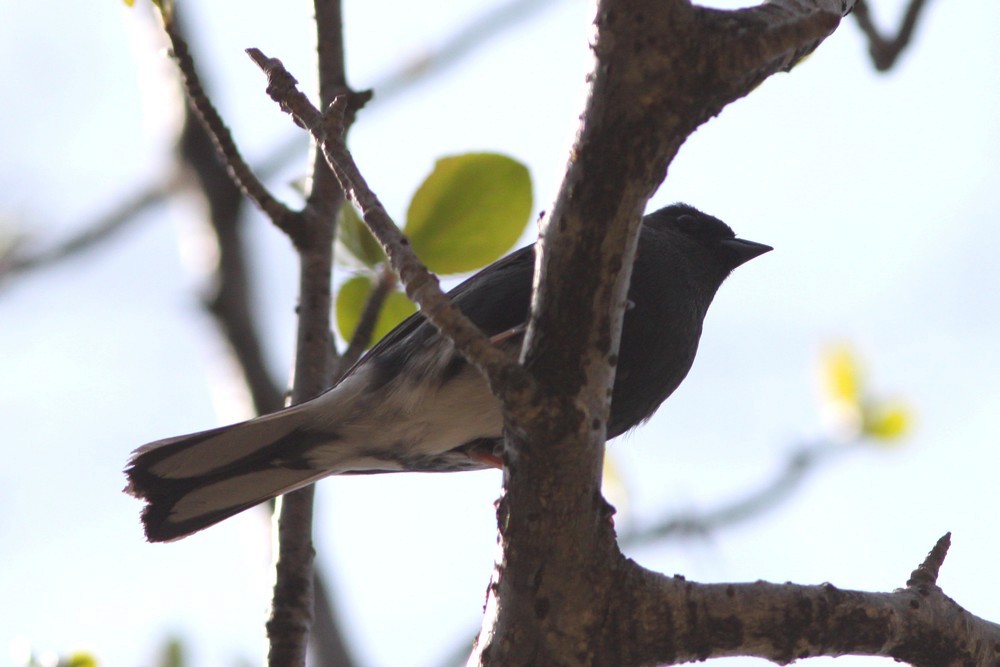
x,y
559,591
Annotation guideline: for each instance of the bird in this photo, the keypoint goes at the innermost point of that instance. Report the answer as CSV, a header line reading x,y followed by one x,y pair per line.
x,y
413,403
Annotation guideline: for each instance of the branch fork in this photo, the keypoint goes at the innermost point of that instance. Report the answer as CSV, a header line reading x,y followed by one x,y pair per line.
x,y
422,286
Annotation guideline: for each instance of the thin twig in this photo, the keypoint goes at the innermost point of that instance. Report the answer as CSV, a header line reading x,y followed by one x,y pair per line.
x,y
283,217
294,604
884,51
230,306
431,61
362,337
325,196
423,64
473,35
19,261
230,301
328,639
422,286
799,464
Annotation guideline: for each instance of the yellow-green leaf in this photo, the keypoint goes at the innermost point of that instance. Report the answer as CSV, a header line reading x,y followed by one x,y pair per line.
x,y
351,302
887,420
354,237
79,659
172,654
469,211
841,373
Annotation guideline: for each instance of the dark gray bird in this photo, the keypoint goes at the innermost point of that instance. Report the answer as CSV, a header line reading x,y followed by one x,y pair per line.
x,y
413,403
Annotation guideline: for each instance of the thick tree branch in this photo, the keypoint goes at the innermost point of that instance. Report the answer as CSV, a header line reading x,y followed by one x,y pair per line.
x,y
671,620
663,68
884,51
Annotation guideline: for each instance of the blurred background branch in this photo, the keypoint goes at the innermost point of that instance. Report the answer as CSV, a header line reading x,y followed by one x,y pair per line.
x,y
886,50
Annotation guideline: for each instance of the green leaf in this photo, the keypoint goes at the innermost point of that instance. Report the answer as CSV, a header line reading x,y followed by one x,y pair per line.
x,y
354,237
351,301
469,211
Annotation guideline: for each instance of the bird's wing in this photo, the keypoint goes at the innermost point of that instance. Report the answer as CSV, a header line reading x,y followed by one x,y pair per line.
x,y
496,300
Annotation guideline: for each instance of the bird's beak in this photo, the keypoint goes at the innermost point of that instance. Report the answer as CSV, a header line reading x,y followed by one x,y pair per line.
x,y
743,251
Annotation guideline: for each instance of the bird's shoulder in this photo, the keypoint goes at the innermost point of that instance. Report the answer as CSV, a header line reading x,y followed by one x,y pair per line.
x,y
496,299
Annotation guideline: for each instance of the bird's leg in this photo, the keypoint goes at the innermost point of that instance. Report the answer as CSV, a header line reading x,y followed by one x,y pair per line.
x,y
504,336
486,458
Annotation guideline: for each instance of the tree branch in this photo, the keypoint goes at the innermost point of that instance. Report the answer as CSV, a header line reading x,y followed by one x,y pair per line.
x,y
476,33
294,603
229,300
884,51
422,286
327,638
663,68
283,217
798,465
926,573
325,195
18,260
362,337
473,35
671,620
423,64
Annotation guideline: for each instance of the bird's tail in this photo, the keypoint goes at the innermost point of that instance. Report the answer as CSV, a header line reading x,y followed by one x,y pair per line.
x,y
191,482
